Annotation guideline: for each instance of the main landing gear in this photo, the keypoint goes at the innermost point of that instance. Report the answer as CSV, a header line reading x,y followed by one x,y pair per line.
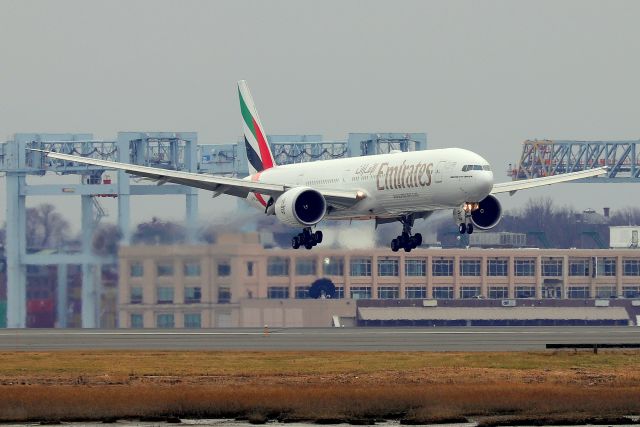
x,y
307,238
406,241
465,228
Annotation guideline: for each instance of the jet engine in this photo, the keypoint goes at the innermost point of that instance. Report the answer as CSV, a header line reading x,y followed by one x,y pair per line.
x,y
301,206
488,213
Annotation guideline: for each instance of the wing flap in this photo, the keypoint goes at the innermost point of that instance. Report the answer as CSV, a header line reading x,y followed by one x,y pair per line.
x,y
339,199
513,186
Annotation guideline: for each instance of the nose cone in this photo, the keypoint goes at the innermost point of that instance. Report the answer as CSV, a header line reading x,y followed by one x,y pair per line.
x,y
483,184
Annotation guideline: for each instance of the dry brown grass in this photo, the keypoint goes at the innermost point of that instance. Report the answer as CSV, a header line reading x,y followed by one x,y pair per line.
x,y
22,403
315,386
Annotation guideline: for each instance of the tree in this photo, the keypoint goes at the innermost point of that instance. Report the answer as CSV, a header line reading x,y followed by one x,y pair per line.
x,y
106,239
45,228
157,232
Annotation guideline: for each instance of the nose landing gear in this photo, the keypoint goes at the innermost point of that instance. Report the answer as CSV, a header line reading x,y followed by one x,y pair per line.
x,y
406,241
307,238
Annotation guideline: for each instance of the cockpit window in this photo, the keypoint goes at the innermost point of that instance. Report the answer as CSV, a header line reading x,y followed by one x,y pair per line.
x,y
467,168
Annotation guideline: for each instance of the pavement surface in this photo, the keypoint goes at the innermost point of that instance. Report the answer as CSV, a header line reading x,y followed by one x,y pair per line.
x,y
327,339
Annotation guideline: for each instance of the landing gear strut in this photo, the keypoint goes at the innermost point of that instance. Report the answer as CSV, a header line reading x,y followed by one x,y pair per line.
x,y
406,241
307,238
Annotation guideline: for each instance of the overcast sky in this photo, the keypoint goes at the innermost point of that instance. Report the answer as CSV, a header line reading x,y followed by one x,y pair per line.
x,y
483,75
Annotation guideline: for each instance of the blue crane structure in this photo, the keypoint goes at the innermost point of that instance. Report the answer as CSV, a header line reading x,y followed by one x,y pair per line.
x,y
551,157
170,150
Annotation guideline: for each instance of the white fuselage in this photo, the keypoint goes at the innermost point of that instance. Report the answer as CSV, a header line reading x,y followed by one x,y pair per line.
x,y
395,184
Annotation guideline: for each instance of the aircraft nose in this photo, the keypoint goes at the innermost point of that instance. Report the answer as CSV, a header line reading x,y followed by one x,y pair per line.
x,y
484,183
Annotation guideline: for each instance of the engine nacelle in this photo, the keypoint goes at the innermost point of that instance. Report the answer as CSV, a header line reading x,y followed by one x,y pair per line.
x,y
488,214
301,206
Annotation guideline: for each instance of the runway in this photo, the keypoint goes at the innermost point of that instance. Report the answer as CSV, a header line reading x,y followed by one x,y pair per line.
x,y
326,339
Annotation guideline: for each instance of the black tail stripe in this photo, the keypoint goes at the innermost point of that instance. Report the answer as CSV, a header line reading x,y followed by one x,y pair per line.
x,y
253,157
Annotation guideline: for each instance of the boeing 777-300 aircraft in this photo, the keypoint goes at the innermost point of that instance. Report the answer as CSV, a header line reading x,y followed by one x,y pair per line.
x,y
398,186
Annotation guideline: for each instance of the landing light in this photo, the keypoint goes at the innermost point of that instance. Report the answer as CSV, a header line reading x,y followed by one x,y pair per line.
x,y
360,195
470,206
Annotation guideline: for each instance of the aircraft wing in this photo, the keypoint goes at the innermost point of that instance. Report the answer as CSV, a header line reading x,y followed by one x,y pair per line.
x,y
219,185
513,186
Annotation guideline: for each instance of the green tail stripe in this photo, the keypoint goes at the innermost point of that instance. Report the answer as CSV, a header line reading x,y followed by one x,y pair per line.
x,y
246,115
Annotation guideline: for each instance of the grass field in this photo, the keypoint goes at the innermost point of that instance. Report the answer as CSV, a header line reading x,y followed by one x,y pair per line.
x,y
413,386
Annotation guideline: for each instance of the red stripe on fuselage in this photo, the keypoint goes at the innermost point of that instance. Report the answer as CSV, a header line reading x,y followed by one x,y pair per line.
x,y
265,155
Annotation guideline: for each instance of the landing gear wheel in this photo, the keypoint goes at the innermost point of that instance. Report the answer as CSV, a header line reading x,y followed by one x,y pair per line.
x,y
395,246
462,228
307,238
418,238
469,228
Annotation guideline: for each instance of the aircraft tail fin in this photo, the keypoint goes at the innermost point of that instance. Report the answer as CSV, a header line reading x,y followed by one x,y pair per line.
x,y
259,154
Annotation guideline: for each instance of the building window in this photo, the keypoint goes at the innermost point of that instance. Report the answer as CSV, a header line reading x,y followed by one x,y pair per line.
x,y
606,292
306,267
249,268
333,266
631,267
470,267
192,295
361,266
192,269
360,292
136,295
224,295
339,292
415,292
165,295
498,292
443,292
165,269
137,320
165,320
302,292
136,269
192,320
497,267
552,291
224,268
442,267
388,292
525,292
277,266
467,292
631,291
415,267
579,267
578,292
525,267
606,266
278,292
552,267
388,267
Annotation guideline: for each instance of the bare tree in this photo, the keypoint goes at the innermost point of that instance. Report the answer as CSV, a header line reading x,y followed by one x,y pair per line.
x,y
45,228
158,232
106,239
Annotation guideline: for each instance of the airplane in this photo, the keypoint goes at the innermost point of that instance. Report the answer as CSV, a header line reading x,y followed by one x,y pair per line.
x,y
396,186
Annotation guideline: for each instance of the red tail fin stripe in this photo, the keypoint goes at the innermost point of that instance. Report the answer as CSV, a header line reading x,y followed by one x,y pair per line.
x,y
256,178
265,154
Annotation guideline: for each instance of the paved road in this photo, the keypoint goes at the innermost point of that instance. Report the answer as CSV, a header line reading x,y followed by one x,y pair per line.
x,y
356,339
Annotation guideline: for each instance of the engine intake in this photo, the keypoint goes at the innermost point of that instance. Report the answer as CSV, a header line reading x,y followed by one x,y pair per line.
x,y
301,206
488,214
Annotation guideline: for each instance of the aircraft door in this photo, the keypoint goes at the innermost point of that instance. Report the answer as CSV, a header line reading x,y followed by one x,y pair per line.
x,y
438,173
